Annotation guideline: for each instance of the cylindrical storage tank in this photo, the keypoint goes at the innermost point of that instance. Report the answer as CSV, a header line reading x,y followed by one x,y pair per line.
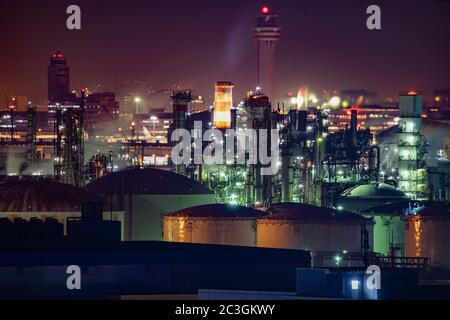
x,y
323,231
146,195
428,236
213,224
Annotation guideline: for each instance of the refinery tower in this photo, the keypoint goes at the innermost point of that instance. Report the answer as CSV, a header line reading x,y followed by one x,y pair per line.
x,y
266,34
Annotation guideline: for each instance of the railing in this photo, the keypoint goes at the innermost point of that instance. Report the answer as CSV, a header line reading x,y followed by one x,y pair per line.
x,y
400,262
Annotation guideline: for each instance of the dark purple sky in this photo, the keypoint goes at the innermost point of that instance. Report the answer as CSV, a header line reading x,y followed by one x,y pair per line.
x,y
161,42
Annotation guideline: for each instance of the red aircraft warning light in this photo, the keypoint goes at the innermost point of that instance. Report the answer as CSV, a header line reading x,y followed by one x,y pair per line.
x,y
265,10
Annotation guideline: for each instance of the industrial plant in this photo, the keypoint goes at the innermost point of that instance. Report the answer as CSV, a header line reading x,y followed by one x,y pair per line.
x,y
92,176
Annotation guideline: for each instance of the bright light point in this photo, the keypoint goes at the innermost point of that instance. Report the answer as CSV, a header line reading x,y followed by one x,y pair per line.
x,y
265,10
300,101
340,208
294,100
337,259
335,102
137,99
355,285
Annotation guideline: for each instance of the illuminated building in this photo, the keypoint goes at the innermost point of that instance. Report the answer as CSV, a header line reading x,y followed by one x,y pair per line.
x,y
223,102
411,163
374,117
58,79
266,33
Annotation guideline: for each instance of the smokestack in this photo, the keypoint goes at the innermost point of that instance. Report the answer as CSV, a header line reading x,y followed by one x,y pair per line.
x,y
233,118
302,117
180,100
223,102
293,119
31,132
354,126
287,175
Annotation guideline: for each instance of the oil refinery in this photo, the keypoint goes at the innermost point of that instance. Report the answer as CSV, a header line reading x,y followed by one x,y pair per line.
x,y
315,184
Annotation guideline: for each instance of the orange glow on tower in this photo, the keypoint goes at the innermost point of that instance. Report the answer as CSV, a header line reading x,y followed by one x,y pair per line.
x,y
223,102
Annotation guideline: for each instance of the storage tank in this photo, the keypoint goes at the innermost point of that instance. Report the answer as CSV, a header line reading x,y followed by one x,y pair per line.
x,y
427,235
365,196
389,229
332,236
213,224
44,199
146,195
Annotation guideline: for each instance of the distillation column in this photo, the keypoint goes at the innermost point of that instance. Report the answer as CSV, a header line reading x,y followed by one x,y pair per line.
x,y
411,145
180,102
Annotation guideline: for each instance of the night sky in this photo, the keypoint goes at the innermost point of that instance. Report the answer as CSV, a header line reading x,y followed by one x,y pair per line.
x,y
324,44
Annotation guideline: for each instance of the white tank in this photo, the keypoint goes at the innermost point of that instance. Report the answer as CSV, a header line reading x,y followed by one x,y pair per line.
x,y
325,232
428,235
213,224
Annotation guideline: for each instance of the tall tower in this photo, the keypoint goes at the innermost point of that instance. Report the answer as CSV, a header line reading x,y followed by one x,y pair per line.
x,y
411,147
266,34
223,102
58,79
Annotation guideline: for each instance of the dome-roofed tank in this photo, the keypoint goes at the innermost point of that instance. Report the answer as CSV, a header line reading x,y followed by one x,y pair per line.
x,y
46,199
325,232
44,196
214,224
362,197
146,181
427,235
147,194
